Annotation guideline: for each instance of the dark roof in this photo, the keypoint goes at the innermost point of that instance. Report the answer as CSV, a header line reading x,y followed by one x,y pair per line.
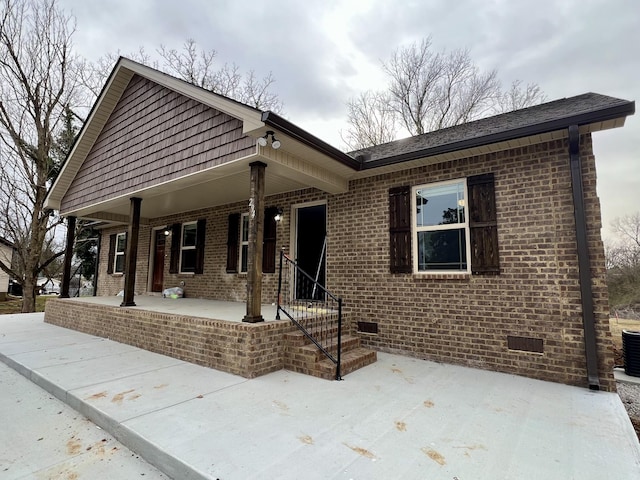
x,y
7,242
580,110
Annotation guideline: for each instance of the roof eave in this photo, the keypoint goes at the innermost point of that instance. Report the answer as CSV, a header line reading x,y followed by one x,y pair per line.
x,y
602,115
285,126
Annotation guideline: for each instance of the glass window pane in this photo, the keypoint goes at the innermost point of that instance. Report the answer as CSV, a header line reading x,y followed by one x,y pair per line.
x,y
440,205
245,228
189,235
119,268
188,261
243,258
120,242
443,250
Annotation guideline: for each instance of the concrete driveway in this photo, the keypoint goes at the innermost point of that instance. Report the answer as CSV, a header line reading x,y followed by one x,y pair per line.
x,y
399,418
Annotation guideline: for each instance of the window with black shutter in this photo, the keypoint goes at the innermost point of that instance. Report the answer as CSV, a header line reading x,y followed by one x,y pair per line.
x,y
483,225
117,252
455,225
232,242
400,229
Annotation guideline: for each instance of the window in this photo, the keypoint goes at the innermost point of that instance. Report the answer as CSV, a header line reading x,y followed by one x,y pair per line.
x,y
445,227
118,254
188,247
244,242
440,227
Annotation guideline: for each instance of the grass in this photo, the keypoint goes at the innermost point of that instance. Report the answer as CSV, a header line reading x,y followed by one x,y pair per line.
x,y
14,304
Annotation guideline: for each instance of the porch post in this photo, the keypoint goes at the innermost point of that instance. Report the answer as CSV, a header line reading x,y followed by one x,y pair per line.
x,y
131,254
68,255
256,236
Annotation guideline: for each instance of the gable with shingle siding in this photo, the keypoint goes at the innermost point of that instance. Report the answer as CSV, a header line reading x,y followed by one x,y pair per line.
x,y
155,135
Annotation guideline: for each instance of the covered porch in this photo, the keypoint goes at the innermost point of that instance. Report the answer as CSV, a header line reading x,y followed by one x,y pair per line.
x,y
205,332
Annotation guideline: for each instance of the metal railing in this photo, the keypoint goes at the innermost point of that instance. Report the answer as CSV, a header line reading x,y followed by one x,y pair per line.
x,y
312,308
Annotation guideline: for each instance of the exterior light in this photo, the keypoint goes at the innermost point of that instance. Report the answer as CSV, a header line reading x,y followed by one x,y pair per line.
x,y
263,141
278,216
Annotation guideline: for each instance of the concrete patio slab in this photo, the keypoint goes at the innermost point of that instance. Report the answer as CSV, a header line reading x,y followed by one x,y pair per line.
x,y
398,418
43,438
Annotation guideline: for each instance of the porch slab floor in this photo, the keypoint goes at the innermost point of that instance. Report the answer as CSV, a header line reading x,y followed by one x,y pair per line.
x,y
398,418
193,307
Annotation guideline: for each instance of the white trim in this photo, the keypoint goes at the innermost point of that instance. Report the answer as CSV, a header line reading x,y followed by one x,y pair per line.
x,y
457,226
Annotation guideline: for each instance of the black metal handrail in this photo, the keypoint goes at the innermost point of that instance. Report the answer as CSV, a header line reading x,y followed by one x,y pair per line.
x,y
312,308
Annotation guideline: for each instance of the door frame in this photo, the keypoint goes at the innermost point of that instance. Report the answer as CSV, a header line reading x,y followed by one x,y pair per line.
x,y
152,253
293,237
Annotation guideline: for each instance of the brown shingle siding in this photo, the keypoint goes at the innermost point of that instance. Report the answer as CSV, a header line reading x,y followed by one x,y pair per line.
x,y
154,135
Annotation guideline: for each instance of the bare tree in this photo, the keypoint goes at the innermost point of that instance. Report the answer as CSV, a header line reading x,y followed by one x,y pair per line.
x,y
194,65
519,96
623,261
35,85
371,121
428,91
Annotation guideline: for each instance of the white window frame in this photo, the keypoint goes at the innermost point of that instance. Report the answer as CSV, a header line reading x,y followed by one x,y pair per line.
x,y
436,228
243,243
187,247
117,253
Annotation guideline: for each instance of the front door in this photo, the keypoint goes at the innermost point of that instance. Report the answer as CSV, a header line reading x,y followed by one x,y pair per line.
x,y
158,261
311,250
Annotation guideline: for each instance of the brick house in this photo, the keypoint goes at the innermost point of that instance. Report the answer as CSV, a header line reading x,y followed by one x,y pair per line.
x,y
477,245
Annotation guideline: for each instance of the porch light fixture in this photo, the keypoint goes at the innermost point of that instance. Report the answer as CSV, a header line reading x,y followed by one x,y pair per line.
x,y
166,232
263,141
278,216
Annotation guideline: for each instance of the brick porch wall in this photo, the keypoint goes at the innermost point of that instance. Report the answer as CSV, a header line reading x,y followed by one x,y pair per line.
x,y
244,349
462,320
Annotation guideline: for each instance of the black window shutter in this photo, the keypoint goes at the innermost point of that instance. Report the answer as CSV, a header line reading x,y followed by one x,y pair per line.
x,y
201,228
483,225
174,262
112,253
269,241
400,229
232,242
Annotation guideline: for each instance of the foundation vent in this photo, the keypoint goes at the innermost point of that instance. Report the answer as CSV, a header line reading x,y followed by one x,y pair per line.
x,y
525,344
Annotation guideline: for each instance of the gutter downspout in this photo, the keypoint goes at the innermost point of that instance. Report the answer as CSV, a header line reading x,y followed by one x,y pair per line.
x,y
584,264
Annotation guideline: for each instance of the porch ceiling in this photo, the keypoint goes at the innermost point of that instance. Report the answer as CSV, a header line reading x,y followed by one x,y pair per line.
x,y
223,184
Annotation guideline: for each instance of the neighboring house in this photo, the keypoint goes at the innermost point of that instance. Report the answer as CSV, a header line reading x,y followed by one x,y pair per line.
x,y
6,256
476,245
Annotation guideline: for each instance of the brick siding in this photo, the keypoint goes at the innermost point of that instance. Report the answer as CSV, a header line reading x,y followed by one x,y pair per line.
x,y
457,319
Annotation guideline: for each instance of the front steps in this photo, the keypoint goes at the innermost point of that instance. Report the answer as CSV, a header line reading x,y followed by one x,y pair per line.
x,y
302,356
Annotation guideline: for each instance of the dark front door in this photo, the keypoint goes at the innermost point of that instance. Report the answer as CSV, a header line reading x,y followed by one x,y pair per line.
x,y
158,261
311,233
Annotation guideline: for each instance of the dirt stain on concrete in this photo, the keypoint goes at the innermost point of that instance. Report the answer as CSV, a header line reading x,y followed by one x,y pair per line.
x,y
119,397
95,396
361,451
428,404
433,455
401,426
401,373
282,406
306,439
73,446
162,385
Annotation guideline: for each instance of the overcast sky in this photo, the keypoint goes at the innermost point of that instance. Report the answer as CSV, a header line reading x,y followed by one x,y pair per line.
x,y
324,52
